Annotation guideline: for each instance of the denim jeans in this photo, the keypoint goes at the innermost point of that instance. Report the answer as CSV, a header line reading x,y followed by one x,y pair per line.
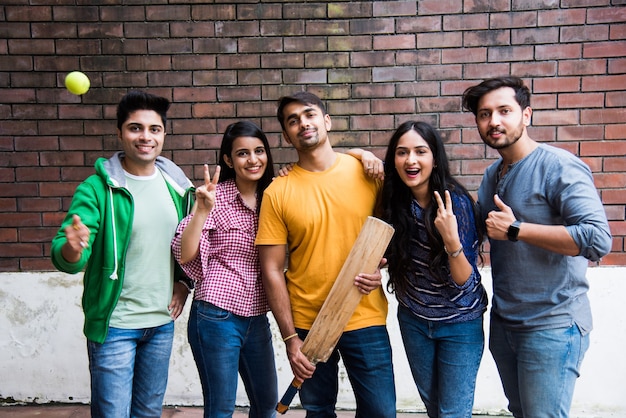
x,y
444,360
223,344
129,372
366,355
538,369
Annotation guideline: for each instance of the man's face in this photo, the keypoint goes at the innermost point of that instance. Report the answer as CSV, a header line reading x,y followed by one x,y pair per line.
x,y
306,126
500,120
142,136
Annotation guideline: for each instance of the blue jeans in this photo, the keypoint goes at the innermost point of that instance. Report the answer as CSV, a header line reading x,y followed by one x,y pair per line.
x,y
366,355
444,361
223,344
129,372
538,369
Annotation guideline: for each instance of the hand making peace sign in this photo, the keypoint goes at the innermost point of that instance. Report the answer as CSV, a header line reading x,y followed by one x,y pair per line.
x,y
445,222
205,194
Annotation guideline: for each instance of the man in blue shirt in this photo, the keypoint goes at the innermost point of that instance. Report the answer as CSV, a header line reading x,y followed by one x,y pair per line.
x,y
544,221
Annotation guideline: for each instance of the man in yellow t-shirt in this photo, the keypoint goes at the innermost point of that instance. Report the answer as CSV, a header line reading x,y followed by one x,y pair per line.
x,y
316,213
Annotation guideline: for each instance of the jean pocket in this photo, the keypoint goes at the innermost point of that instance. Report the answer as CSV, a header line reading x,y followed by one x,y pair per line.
x,y
210,312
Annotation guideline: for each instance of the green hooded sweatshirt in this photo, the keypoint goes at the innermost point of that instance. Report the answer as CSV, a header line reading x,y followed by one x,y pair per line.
x,y
106,207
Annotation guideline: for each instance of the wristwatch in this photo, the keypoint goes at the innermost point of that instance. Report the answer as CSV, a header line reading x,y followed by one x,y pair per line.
x,y
513,231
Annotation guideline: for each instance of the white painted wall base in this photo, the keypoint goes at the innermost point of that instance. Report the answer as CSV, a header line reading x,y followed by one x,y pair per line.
x,y
44,355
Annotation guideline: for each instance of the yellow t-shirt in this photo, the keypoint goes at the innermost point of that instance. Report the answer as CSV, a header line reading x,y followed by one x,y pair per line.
x,y
319,216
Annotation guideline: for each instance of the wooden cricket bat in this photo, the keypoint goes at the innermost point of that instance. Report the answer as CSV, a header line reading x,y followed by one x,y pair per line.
x,y
343,298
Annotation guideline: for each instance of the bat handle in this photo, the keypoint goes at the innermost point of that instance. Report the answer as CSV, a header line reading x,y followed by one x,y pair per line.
x,y
283,404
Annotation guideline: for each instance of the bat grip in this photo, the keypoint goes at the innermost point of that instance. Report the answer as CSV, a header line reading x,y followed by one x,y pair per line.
x,y
283,404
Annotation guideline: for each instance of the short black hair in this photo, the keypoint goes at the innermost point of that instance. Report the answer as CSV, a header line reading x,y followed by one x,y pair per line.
x,y
302,97
139,100
472,95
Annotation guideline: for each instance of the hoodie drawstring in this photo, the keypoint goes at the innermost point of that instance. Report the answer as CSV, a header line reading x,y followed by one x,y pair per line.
x,y
113,276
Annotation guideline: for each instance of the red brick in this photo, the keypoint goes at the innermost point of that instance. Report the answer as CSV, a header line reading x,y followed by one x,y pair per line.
x,y
615,131
581,100
440,72
466,22
435,104
463,55
603,148
259,11
555,117
607,116
617,32
535,36
126,13
304,11
380,122
581,133
561,17
479,6
28,13
439,7
604,49
418,24
513,20
51,30
349,107
558,51
534,69
615,99
325,60
510,54
394,8
394,42
582,67
34,174
393,106
21,250
614,197
614,163
591,33
213,12
387,74
439,40
344,75
372,26
168,13
606,15
348,10
8,234
308,44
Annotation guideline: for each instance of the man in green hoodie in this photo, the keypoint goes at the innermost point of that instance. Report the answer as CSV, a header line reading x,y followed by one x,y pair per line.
x,y
119,228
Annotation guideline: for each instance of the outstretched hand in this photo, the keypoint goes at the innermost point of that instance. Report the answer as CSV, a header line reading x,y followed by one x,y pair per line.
x,y
205,194
77,234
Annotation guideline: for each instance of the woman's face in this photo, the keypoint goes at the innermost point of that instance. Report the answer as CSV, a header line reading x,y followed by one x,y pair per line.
x,y
248,158
414,163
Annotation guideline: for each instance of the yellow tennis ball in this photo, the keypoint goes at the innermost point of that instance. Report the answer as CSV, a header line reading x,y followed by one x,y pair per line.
x,y
77,83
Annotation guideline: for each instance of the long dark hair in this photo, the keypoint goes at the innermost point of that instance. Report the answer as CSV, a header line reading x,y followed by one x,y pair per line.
x,y
395,206
237,130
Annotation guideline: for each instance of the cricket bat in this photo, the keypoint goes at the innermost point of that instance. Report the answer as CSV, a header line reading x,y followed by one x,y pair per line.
x,y
343,298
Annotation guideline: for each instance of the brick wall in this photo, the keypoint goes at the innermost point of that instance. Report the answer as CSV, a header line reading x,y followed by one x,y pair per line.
x,y
377,64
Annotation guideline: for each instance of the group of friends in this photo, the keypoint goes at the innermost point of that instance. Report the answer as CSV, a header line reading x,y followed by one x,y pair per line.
x,y
246,242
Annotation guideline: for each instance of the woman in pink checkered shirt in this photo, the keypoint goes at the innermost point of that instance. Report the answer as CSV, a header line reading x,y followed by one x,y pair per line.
x,y
228,328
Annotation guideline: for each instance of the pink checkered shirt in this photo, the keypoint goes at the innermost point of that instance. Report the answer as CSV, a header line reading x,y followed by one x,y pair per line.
x,y
226,271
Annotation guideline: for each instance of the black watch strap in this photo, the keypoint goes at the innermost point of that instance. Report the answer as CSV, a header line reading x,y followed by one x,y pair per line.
x,y
513,231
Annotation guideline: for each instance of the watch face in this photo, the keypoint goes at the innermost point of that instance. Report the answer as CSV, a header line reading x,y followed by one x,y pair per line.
x,y
513,231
